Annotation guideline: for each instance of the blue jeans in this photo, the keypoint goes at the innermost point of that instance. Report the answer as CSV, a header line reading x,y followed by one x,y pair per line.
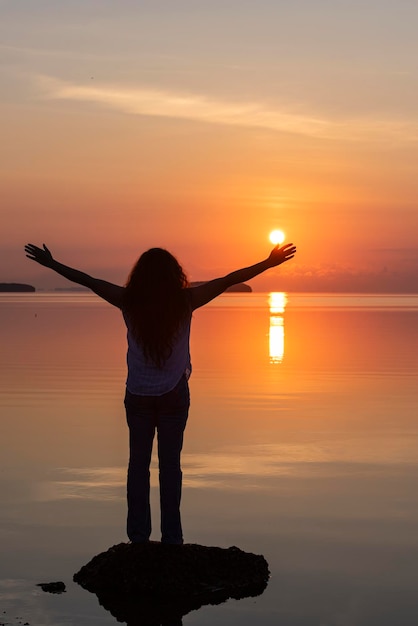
x,y
168,415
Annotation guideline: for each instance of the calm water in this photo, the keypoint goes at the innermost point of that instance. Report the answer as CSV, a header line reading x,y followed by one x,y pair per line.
x,y
301,445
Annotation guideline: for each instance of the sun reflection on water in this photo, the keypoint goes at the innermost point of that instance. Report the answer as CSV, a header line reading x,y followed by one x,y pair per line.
x,y
277,305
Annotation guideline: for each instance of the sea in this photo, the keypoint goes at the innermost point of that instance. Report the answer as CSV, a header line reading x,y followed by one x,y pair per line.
x,y
301,445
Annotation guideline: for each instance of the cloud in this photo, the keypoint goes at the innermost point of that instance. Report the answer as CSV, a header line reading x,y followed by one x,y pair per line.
x,y
410,253
201,108
343,278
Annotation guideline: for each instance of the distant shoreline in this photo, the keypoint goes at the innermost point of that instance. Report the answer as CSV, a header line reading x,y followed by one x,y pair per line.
x,y
22,287
239,287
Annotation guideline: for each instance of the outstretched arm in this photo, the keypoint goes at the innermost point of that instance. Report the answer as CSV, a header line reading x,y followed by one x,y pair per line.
x,y
108,291
208,291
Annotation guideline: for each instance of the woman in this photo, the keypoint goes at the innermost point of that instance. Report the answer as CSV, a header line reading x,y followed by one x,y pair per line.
x,y
157,305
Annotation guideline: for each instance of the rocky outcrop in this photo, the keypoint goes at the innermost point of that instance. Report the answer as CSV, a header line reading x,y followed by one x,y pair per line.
x,y
16,287
155,583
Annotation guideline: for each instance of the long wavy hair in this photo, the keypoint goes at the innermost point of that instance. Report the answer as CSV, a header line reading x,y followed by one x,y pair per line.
x,y
156,303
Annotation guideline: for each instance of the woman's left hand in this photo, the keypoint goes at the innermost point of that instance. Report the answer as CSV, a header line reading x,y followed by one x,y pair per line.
x,y
40,255
281,254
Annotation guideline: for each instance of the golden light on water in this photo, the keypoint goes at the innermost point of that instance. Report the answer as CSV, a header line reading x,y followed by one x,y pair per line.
x,y
277,304
277,237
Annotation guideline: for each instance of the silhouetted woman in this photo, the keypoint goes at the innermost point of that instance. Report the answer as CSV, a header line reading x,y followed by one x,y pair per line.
x,y
157,305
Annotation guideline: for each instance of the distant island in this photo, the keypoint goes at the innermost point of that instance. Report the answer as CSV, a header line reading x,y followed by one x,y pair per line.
x,y
16,287
239,287
77,289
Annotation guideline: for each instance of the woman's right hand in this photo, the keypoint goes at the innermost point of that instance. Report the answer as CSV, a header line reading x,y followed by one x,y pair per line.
x,y
40,255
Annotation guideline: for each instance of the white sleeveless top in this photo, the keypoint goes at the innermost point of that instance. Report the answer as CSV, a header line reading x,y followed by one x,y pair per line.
x,y
145,378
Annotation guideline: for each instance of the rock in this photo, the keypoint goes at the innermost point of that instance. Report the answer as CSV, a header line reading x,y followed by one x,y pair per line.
x,y
16,287
239,288
57,587
152,583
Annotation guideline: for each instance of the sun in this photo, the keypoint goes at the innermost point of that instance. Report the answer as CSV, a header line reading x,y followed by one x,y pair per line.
x,y
277,237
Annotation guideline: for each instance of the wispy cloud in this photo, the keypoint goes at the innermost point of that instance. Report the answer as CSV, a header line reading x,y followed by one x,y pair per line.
x,y
404,252
201,108
143,101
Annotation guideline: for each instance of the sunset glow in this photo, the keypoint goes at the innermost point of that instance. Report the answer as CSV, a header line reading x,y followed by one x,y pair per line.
x,y
122,132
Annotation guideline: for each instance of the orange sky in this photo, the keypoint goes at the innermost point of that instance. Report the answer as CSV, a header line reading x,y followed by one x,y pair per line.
x,y
201,128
